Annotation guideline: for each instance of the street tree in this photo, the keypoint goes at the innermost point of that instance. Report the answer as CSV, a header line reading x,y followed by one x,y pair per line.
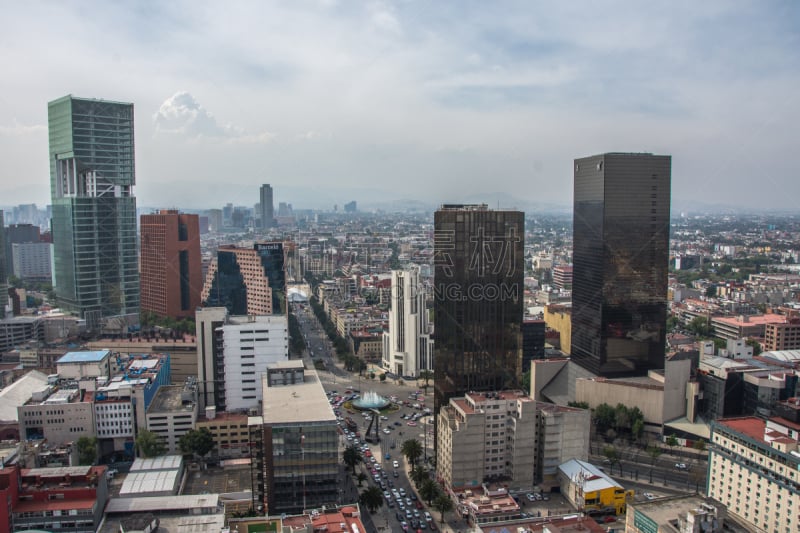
x,y
351,457
429,490
443,504
149,444
412,450
372,497
361,477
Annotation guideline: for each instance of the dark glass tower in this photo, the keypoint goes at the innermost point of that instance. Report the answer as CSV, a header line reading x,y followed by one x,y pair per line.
x,y
92,176
621,253
267,206
478,297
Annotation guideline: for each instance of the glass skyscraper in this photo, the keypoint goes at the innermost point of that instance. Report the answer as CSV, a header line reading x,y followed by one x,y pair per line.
x,y
478,300
92,176
621,254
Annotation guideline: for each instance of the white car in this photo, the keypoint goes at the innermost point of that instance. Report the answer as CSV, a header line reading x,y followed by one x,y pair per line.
x,y
680,466
648,495
395,464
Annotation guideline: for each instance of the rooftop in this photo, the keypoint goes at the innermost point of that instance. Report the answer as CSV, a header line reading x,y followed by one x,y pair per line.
x,y
747,425
298,403
84,357
169,399
590,476
751,320
19,392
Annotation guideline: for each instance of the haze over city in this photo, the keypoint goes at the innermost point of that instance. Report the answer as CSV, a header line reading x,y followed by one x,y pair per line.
x,y
379,101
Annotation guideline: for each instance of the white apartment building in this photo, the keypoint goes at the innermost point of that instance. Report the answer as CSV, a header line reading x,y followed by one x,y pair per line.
x,y
754,470
408,346
486,436
249,345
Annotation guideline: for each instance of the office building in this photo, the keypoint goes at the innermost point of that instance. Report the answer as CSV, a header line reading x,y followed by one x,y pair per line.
x,y
32,261
20,234
621,255
172,414
267,207
407,345
232,352
296,463
478,300
247,281
92,176
782,335
533,337
687,514
754,470
171,271
562,277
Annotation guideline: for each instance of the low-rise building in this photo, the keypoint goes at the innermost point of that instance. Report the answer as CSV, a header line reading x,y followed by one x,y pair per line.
x,y
59,414
484,505
52,499
229,432
679,514
80,365
173,413
782,335
589,489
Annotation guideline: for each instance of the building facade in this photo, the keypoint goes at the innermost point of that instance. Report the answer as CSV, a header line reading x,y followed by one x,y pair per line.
x,y
782,335
478,300
92,174
172,414
498,428
754,470
267,206
619,281
247,281
297,465
3,275
171,270
32,260
407,344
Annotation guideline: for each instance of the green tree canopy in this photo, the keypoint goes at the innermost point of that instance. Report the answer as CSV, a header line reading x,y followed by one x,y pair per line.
x,y
197,442
429,490
372,497
149,444
443,504
412,450
351,457
87,450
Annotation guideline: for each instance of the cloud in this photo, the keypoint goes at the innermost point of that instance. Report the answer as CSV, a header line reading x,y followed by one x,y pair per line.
x,y
182,115
16,129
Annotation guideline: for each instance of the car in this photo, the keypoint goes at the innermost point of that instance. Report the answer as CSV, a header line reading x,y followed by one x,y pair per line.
x,y
402,492
395,474
411,423
395,464
609,519
416,513
648,495
531,497
418,504
398,423
413,496
409,502
399,516
428,516
383,417
404,525
386,431
387,456
680,466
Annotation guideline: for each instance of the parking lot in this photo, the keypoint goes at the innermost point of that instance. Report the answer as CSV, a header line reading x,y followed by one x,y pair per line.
x,y
216,480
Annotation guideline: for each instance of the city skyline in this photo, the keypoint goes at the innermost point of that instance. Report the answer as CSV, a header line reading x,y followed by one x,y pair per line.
x,y
343,99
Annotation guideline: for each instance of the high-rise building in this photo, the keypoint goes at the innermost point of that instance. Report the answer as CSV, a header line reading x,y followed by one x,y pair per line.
x,y
267,207
3,284
171,271
478,300
295,442
407,345
621,255
248,281
92,176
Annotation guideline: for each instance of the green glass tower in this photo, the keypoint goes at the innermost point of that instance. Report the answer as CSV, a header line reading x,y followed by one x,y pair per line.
x,y
92,176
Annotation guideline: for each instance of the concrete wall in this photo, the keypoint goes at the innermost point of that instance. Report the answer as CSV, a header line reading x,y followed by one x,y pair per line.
x,y
649,400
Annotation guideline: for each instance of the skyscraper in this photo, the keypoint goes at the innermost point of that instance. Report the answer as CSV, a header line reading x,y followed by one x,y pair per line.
x,y
267,207
171,276
407,344
3,261
478,297
92,176
621,253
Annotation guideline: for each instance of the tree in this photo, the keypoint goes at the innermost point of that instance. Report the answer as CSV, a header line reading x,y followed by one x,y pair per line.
x,y
372,497
352,457
149,444
197,442
579,405
419,476
671,441
412,450
756,346
526,381
654,452
613,457
429,490
87,450
699,445
427,375
637,429
382,377
700,326
443,504
604,416
361,477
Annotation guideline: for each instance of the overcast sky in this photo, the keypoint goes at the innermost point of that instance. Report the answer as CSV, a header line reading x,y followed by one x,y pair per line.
x,y
428,100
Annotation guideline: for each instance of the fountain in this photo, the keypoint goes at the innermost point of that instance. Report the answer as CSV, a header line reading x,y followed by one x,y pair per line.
x,y
370,400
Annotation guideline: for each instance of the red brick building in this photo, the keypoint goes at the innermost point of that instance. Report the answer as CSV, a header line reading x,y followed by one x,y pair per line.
x,y
171,270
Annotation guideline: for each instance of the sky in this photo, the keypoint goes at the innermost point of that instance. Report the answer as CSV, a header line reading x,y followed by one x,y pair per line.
x,y
434,101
